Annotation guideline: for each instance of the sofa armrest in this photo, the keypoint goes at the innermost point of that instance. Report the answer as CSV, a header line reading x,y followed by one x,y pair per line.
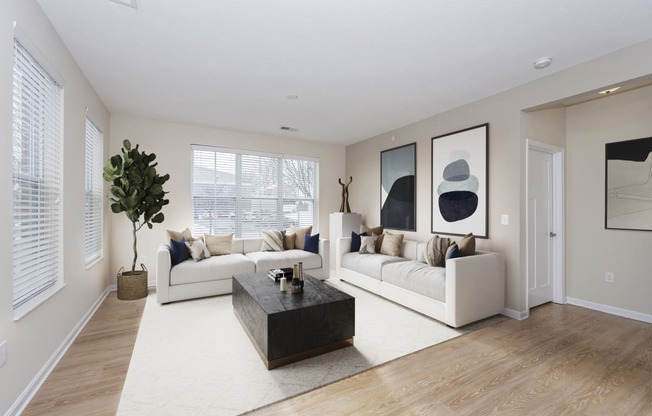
x,y
343,246
163,267
475,287
325,252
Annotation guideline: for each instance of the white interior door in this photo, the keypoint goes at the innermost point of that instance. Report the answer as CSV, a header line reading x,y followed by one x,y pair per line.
x,y
540,227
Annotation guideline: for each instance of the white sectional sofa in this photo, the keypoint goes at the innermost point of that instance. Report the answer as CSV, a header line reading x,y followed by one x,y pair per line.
x,y
468,289
212,276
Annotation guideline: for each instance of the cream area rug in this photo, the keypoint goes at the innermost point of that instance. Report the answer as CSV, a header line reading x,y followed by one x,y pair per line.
x,y
194,357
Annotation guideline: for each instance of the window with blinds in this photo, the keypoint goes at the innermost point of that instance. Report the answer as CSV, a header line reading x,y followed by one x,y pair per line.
x,y
94,189
37,179
245,192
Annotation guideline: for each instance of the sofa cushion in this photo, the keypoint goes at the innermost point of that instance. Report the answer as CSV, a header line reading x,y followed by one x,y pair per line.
x,y
289,241
267,260
356,240
300,232
214,268
467,245
219,244
391,244
178,235
368,264
452,252
368,244
311,243
272,240
434,253
372,230
178,251
417,277
198,250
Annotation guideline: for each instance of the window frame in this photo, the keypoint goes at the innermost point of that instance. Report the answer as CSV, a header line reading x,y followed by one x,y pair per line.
x,y
37,181
93,194
240,197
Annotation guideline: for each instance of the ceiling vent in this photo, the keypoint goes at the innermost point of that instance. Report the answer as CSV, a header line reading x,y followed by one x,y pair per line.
x,y
130,3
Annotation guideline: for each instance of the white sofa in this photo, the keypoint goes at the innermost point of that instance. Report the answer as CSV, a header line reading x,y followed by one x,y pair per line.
x,y
212,276
468,289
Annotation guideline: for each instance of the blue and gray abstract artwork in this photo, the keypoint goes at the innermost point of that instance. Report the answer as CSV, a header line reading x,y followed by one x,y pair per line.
x,y
458,197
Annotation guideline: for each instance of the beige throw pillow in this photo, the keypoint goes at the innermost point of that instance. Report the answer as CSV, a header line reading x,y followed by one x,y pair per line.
x,y
434,253
219,244
467,245
300,233
391,244
178,235
272,240
289,240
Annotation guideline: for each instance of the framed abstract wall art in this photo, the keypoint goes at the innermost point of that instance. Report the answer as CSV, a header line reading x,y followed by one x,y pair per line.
x,y
628,185
459,182
397,188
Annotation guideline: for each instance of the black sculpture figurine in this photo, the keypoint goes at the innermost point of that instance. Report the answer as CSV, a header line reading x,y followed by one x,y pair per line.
x,y
345,195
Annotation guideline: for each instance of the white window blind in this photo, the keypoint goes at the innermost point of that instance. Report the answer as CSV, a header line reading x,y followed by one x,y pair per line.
x,y
246,192
94,190
37,178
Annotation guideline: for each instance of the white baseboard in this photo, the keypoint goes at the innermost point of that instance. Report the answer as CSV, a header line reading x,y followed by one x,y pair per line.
x,y
626,313
514,314
32,388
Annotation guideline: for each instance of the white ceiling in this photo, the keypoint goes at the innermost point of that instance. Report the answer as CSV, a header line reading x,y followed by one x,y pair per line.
x,y
359,67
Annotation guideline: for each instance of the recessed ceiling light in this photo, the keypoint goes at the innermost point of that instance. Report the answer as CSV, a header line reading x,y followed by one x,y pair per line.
x,y
130,3
543,62
292,97
609,91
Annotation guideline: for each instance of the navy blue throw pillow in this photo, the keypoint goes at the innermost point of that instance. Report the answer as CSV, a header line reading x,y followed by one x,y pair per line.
x,y
356,241
311,243
178,251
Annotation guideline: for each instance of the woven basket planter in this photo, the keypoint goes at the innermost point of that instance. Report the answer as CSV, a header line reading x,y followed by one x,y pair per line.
x,y
132,285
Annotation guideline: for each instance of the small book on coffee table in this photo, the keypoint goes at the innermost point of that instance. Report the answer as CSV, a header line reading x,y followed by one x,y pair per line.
x,y
276,274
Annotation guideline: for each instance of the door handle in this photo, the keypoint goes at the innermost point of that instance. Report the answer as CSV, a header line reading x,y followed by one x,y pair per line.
x,y
552,234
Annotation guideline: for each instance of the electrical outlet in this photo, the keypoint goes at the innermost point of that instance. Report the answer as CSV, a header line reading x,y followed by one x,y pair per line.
x,y
3,353
609,277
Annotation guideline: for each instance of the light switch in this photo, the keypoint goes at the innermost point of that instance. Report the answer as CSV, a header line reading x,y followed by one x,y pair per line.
x,y
504,219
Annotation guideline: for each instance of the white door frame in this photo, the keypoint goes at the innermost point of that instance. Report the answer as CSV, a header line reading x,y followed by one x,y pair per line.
x,y
557,251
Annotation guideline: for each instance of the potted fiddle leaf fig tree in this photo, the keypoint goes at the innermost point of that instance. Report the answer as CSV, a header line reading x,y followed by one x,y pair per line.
x,y
137,190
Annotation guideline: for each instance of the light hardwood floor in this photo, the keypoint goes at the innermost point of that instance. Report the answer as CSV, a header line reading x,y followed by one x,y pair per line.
x,y
89,378
563,360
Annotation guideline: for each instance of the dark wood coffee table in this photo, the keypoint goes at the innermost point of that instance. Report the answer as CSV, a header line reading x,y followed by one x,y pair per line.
x,y
286,327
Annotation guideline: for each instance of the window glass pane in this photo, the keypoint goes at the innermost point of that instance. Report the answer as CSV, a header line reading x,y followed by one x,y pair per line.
x,y
37,177
245,193
93,194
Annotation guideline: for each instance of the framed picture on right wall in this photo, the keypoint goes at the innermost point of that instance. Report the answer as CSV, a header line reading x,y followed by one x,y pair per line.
x,y
459,182
628,185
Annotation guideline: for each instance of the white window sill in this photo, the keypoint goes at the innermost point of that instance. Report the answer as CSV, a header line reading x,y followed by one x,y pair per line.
x,y
24,310
93,263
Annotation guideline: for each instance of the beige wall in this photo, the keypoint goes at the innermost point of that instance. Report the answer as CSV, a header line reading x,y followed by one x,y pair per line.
x,y
591,249
508,129
172,145
33,340
582,129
